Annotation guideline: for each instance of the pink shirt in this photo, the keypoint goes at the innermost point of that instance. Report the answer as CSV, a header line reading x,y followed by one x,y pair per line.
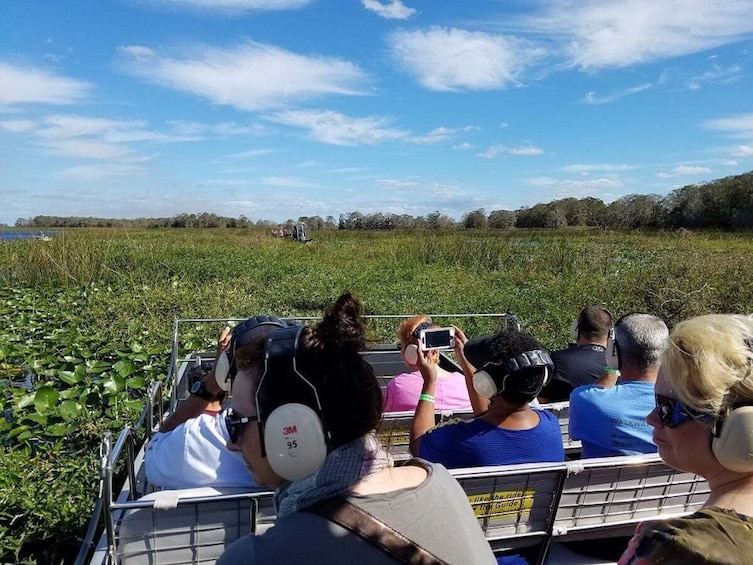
x,y
402,392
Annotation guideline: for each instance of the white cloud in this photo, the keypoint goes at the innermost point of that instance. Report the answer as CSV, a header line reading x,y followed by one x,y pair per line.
x,y
743,151
495,151
557,188
591,97
392,184
437,135
17,126
465,146
287,182
231,6
684,170
250,76
25,85
89,172
596,167
454,59
619,33
716,75
87,149
740,126
338,129
395,10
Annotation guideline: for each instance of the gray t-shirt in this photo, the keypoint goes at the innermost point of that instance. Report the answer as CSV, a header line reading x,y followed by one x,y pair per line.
x,y
435,514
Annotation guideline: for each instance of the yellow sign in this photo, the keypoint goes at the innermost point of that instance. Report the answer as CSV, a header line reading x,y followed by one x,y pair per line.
x,y
501,504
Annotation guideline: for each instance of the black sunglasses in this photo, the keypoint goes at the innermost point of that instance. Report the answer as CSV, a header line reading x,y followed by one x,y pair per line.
x,y
235,425
673,412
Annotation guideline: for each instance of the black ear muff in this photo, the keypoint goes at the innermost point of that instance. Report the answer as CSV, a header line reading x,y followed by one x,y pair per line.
x,y
494,378
613,354
293,434
732,443
242,335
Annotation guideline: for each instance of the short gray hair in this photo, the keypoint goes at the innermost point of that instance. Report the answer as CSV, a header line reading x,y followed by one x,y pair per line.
x,y
641,339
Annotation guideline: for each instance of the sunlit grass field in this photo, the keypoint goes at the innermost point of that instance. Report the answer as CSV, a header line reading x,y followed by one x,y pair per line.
x,y
90,313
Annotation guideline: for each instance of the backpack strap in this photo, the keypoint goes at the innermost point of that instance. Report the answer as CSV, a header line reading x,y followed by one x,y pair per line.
x,y
351,517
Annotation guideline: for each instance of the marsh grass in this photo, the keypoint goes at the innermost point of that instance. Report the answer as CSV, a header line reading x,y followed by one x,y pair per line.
x,y
96,297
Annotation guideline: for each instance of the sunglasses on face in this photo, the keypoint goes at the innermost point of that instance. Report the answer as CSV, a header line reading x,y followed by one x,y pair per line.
x,y
672,412
235,425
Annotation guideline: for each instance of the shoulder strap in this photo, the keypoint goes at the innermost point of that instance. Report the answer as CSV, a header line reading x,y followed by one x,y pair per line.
x,y
388,539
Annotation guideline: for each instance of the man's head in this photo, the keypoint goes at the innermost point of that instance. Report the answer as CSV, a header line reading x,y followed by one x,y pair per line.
x,y
594,325
641,339
518,365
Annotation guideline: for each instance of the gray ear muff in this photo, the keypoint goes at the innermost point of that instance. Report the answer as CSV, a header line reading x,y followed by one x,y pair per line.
x,y
574,331
733,447
295,442
222,372
411,353
484,384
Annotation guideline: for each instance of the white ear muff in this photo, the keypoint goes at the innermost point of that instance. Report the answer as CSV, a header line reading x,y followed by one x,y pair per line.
x,y
734,446
411,353
221,371
484,384
294,440
612,354
574,331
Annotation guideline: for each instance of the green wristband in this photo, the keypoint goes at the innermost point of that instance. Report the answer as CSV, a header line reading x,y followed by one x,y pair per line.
x,y
426,397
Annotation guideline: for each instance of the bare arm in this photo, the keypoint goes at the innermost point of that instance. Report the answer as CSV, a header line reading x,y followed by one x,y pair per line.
x,y
608,378
479,404
423,419
193,406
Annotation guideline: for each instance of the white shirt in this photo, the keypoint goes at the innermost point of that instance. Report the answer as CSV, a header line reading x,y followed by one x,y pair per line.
x,y
195,454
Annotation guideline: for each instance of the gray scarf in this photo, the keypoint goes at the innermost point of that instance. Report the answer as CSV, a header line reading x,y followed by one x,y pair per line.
x,y
343,468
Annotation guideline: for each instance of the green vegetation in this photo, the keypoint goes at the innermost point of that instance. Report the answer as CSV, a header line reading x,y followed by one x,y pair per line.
x,y
87,320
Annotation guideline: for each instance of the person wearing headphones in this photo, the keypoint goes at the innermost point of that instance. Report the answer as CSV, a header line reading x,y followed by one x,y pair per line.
x,y
512,368
402,391
583,362
190,448
609,417
703,424
305,409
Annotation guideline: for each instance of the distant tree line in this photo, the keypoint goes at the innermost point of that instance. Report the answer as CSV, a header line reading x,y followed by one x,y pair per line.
x,y
724,204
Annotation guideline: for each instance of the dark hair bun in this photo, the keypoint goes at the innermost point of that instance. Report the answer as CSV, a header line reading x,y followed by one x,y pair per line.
x,y
342,326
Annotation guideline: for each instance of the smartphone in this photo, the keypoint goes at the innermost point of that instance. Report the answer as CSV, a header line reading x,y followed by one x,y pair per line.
x,y
437,338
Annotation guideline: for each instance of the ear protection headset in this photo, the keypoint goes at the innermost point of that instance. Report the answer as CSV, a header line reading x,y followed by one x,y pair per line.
x,y
491,379
613,354
411,350
225,368
732,440
575,327
294,437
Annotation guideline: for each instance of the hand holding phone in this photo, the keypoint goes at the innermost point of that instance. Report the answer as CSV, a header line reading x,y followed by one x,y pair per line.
x,y
437,338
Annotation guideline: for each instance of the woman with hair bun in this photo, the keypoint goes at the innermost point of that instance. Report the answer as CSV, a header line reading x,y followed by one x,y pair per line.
x,y
305,409
703,424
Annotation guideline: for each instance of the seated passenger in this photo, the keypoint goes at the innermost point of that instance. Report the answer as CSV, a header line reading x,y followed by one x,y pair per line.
x,y
584,361
190,448
609,417
703,424
402,391
306,406
513,367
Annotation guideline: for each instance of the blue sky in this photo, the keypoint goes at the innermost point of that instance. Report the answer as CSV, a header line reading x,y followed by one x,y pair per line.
x,y
280,108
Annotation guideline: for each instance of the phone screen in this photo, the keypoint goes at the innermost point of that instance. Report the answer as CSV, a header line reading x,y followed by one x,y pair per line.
x,y
436,339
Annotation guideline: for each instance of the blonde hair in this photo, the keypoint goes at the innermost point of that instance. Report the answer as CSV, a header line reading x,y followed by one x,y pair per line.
x,y
709,361
405,334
